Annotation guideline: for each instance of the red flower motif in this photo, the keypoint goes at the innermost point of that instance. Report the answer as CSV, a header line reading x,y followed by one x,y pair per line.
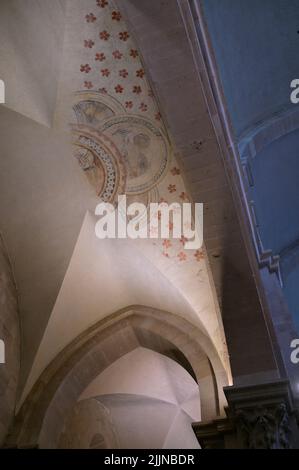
x,y
137,89
124,36
85,68
100,56
153,231
119,89
172,188
184,196
183,240
143,107
165,254
158,116
104,35
198,255
167,244
116,15
140,73
103,90
117,54
88,43
105,72
129,104
91,18
182,256
175,171
134,53
123,73
102,3
88,85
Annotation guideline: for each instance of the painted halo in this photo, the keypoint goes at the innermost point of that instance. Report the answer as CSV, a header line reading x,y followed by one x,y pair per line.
x,y
92,108
144,147
101,162
143,218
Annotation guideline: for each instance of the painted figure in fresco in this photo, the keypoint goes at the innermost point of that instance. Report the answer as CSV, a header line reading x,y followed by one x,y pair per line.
x,y
92,167
135,151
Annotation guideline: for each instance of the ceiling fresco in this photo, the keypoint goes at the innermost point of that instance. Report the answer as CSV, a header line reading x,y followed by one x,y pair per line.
x,y
120,145
119,138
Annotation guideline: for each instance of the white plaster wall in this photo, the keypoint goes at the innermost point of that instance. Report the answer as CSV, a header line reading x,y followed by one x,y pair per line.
x,y
31,40
147,373
103,277
44,198
143,393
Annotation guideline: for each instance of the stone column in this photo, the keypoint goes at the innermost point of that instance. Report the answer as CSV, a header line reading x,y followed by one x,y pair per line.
x,y
258,417
10,339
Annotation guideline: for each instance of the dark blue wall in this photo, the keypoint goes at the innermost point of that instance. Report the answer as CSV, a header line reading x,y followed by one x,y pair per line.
x,y
256,45
275,172
257,48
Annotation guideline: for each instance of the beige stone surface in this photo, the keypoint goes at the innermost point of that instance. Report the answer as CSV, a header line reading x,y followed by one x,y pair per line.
x,y
10,335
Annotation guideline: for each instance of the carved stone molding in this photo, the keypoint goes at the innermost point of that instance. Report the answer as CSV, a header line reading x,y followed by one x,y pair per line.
x,y
265,428
258,417
217,434
263,415
249,147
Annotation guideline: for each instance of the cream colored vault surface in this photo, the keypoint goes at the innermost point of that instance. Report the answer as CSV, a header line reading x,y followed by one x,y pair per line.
x,y
105,96
162,398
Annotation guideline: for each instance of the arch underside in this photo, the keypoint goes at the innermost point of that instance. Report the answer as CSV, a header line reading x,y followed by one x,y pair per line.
x,y
51,400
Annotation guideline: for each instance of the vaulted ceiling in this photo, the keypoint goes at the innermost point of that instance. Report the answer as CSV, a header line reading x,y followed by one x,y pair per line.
x,y
67,279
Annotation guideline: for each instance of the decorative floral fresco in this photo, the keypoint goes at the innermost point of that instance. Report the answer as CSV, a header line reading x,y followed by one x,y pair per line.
x,y
114,103
111,61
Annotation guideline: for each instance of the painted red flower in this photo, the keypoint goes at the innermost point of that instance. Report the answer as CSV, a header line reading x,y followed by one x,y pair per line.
x,y
119,89
123,73
103,90
143,107
117,54
153,231
116,15
91,18
159,215
198,255
175,171
167,244
165,254
104,35
100,56
182,256
137,89
105,72
158,116
129,104
184,196
124,36
88,85
85,68
102,3
134,53
140,73
172,188
183,240
88,43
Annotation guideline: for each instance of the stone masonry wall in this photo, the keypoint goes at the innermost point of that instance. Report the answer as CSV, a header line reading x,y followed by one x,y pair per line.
x,y
10,335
